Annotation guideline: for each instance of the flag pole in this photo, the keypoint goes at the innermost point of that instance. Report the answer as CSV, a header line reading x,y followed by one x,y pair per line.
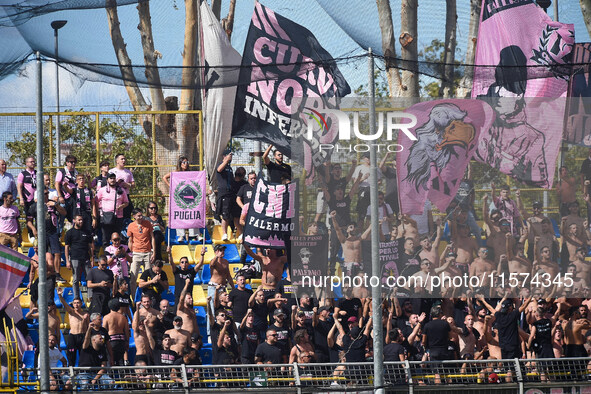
x,y
42,244
376,291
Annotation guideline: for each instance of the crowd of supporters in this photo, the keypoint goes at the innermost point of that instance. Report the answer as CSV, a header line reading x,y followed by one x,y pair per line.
x,y
274,322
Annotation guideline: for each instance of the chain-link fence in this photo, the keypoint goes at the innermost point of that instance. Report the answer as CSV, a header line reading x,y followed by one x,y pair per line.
x,y
151,140
404,376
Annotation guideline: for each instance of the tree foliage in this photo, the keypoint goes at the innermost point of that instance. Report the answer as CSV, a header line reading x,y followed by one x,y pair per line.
x,y
78,135
434,55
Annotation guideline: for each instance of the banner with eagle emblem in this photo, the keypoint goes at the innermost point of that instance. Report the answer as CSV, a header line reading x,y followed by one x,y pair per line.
x,y
433,166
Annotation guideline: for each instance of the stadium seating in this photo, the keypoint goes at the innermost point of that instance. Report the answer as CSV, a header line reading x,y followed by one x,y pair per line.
x,y
25,299
209,254
66,273
232,254
169,295
235,268
168,270
199,296
205,274
207,238
180,251
26,242
216,236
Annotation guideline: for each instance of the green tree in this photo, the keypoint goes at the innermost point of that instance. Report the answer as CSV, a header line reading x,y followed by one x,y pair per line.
x,y
434,55
78,134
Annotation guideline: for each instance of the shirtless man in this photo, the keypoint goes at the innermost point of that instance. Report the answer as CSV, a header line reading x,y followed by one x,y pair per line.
x,y
429,250
567,188
408,227
571,240
546,234
272,265
481,268
145,309
544,263
497,228
424,278
181,338
351,244
516,262
574,217
466,245
186,311
479,323
220,271
449,258
533,221
578,285
583,267
573,335
140,336
116,325
53,318
79,320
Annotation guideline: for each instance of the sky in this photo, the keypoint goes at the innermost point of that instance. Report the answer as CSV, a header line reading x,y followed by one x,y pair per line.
x,y
86,38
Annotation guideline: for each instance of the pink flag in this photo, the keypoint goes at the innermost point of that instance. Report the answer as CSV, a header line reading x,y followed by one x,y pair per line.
x,y
432,167
187,199
521,54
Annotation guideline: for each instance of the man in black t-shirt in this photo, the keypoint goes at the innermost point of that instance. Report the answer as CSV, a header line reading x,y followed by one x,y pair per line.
x,y
93,355
351,306
408,262
354,343
394,351
226,196
79,252
507,323
245,193
239,297
268,352
183,272
243,198
154,282
322,327
100,280
283,333
436,335
162,354
277,171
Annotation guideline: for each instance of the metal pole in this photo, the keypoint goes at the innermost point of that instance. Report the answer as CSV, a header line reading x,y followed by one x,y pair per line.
x,y
58,142
556,10
43,327
258,162
376,290
56,25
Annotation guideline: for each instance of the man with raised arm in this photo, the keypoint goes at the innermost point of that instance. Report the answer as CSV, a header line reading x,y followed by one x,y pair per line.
x,y
181,338
351,244
278,169
79,320
272,264
185,309
183,272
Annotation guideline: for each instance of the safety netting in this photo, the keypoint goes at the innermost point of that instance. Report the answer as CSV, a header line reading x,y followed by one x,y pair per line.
x,y
345,28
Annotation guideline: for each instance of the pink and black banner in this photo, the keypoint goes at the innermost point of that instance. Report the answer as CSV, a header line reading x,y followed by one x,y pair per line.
x,y
577,128
521,53
433,166
283,62
187,199
271,215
